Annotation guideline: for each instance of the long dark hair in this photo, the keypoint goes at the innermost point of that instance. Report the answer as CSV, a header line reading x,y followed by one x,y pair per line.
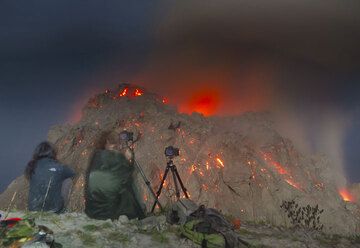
x,y
43,150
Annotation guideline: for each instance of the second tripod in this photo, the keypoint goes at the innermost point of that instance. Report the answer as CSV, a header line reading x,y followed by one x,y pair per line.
x,y
171,166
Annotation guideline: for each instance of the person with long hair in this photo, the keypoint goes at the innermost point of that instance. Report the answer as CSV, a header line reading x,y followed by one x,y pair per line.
x,y
49,180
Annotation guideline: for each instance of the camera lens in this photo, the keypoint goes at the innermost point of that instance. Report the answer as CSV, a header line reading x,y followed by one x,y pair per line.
x,y
171,151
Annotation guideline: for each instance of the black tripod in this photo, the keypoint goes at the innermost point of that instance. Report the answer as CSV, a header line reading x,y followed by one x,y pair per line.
x,y
176,177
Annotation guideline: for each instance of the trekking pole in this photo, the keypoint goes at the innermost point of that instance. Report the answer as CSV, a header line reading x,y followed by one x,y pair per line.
x,y
7,212
46,195
12,200
147,182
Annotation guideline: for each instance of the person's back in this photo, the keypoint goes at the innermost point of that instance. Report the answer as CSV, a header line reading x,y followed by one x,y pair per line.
x,y
47,178
109,188
46,184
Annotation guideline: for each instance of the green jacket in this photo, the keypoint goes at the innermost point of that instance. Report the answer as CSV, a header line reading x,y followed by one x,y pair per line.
x,y
109,190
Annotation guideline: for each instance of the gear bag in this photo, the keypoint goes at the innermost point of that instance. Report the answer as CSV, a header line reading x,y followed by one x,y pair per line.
x,y
209,228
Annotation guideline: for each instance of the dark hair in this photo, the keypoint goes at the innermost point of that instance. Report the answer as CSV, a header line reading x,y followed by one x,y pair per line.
x,y
43,150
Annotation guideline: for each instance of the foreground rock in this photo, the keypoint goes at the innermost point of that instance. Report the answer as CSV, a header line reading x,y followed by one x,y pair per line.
x,y
240,165
77,230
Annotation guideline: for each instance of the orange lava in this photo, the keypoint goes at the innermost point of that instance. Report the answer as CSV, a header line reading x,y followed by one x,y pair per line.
x,y
192,168
138,92
124,92
204,101
281,170
345,195
221,163
292,183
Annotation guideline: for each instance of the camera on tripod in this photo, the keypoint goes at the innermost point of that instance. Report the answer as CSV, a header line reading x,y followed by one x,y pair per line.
x,y
172,152
126,136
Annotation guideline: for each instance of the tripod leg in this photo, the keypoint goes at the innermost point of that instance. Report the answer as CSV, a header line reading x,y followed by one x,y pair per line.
x,y
160,188
175,183
147,182
180,181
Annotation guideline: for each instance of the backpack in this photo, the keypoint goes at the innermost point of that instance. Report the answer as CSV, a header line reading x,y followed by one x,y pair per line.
x,y
208,240
208,227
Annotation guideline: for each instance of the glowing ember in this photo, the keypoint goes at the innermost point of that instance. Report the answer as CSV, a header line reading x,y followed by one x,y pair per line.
x,y
138,92
281,170
192,169
165,100
292,183
124,92
345,195
220,162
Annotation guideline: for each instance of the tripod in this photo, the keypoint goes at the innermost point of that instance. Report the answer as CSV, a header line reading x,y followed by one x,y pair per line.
x,y
176,177
147,182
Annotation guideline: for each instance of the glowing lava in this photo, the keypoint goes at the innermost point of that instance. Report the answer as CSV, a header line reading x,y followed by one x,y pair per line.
x,y
204,101
345,195
281,170
124,92
220,162
131,92
138,92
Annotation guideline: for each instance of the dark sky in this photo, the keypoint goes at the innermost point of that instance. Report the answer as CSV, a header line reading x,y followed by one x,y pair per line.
x,y
55,54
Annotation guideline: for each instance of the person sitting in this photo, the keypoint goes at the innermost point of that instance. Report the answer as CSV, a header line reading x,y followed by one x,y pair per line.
x,y
110,190
50,181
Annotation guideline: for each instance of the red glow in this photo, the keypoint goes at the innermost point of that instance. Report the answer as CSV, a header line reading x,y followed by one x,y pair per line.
x,y
138,92
124,92
165,100
204,101
345,195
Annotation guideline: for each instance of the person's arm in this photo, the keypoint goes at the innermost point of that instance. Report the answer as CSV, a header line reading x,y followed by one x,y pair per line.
x,y
67,172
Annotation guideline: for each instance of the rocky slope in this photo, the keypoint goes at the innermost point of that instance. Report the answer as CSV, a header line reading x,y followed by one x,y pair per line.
x,y
77,230
239,165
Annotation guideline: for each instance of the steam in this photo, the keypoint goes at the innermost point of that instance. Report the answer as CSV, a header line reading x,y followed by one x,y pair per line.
x,y
317,133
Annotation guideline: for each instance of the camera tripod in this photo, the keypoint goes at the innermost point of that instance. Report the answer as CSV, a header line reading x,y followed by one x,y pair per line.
x,y
147,182
176,177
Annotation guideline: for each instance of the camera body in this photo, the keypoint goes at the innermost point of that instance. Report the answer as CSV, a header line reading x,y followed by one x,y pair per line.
x,y
126,136
172,152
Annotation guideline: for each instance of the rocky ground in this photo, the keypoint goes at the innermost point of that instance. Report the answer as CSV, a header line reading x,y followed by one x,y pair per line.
x,y
77,230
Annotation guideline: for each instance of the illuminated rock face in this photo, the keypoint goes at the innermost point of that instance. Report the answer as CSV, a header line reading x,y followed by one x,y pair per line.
x,y
239,165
